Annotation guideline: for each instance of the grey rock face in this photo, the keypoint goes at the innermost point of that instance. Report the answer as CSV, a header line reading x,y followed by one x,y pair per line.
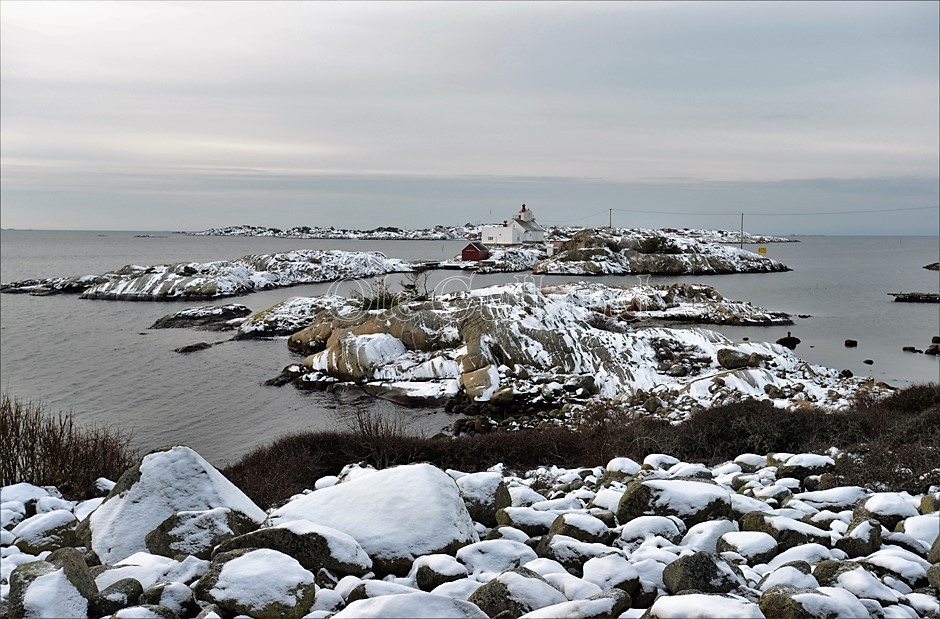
x,y
702,571
862,538
313,548
196,533
121,594
484,494
175,596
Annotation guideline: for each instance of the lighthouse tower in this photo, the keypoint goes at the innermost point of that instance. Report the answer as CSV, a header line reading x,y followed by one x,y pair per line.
x,y
525,214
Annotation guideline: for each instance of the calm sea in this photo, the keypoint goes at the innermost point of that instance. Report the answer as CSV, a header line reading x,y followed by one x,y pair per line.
x,y
100,360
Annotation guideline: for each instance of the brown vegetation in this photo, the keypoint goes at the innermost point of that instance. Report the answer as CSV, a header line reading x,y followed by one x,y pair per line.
x,y
50,450
891,443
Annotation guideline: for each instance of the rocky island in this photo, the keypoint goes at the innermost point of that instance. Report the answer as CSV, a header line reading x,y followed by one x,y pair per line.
x,y
521,347
210,280
614,252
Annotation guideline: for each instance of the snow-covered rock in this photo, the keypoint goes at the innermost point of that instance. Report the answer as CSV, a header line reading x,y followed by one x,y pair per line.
x,y
692,501
616,252
484,493
703,605
702,571
517,591
196,533
39,589
193,280
380,511
417,605
46,531
164,483
262,583
315,546
487,559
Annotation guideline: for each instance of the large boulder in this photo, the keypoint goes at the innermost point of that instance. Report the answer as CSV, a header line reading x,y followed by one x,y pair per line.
x,y
46,531
196,533
121,594
787,531
603,605
705,572
432,571
416,605
484,493
515,593
888,508
382,512
862,538
755,546
42,589
692,501
705,606
262,583
787,602
176,596
315,546
165,482
486,559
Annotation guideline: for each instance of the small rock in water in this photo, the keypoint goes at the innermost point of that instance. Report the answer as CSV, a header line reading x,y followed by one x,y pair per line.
x,y
851,343
193,348
935,339
868,362
789,341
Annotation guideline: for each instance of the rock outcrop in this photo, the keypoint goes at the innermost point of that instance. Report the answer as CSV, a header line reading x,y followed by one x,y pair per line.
x,y
599,252
210,280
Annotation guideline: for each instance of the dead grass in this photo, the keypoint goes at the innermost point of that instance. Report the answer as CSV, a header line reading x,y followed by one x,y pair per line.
x,y
894,443
50,450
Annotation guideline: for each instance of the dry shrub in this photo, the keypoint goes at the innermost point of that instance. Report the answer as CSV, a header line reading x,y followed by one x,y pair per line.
x,y
50,450
894,444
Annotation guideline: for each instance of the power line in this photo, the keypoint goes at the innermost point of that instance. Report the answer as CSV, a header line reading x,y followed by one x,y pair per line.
x,y
787,214
562,221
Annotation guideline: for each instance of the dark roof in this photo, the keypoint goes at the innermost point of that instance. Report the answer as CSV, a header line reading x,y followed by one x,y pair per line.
x,y
477,245
530,225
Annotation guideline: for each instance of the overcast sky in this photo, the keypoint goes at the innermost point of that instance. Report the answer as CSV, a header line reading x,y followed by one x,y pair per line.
x,y
184,116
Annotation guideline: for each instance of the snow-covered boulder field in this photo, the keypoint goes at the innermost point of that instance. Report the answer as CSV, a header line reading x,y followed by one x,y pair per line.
x,y
657,538
542,347
209,280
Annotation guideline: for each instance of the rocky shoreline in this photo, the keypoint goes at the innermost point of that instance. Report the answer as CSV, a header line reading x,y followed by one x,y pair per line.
x,y
210,280
761,535
587,252
468,231
550,349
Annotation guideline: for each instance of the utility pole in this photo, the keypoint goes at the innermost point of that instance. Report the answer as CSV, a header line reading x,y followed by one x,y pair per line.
x,y
742,231
610,218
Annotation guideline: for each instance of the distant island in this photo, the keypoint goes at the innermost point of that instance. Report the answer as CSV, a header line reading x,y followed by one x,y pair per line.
x,y
468,231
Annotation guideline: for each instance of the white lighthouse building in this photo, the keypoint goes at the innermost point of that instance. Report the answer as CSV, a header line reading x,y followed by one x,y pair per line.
x,y
522,228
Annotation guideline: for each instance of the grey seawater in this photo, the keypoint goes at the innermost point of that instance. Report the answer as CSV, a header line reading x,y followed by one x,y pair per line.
x,y
100,360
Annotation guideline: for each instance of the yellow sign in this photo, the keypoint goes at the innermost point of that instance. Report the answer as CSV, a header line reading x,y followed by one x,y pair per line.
x,y
762,250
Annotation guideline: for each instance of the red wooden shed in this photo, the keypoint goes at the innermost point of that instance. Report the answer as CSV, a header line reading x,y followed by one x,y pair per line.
x,y
475,251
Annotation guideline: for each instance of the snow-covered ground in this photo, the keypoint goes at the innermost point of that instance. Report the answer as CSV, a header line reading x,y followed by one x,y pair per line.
x,y
657,538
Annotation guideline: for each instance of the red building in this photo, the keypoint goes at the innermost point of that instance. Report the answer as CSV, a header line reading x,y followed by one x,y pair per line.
x,y
475,251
